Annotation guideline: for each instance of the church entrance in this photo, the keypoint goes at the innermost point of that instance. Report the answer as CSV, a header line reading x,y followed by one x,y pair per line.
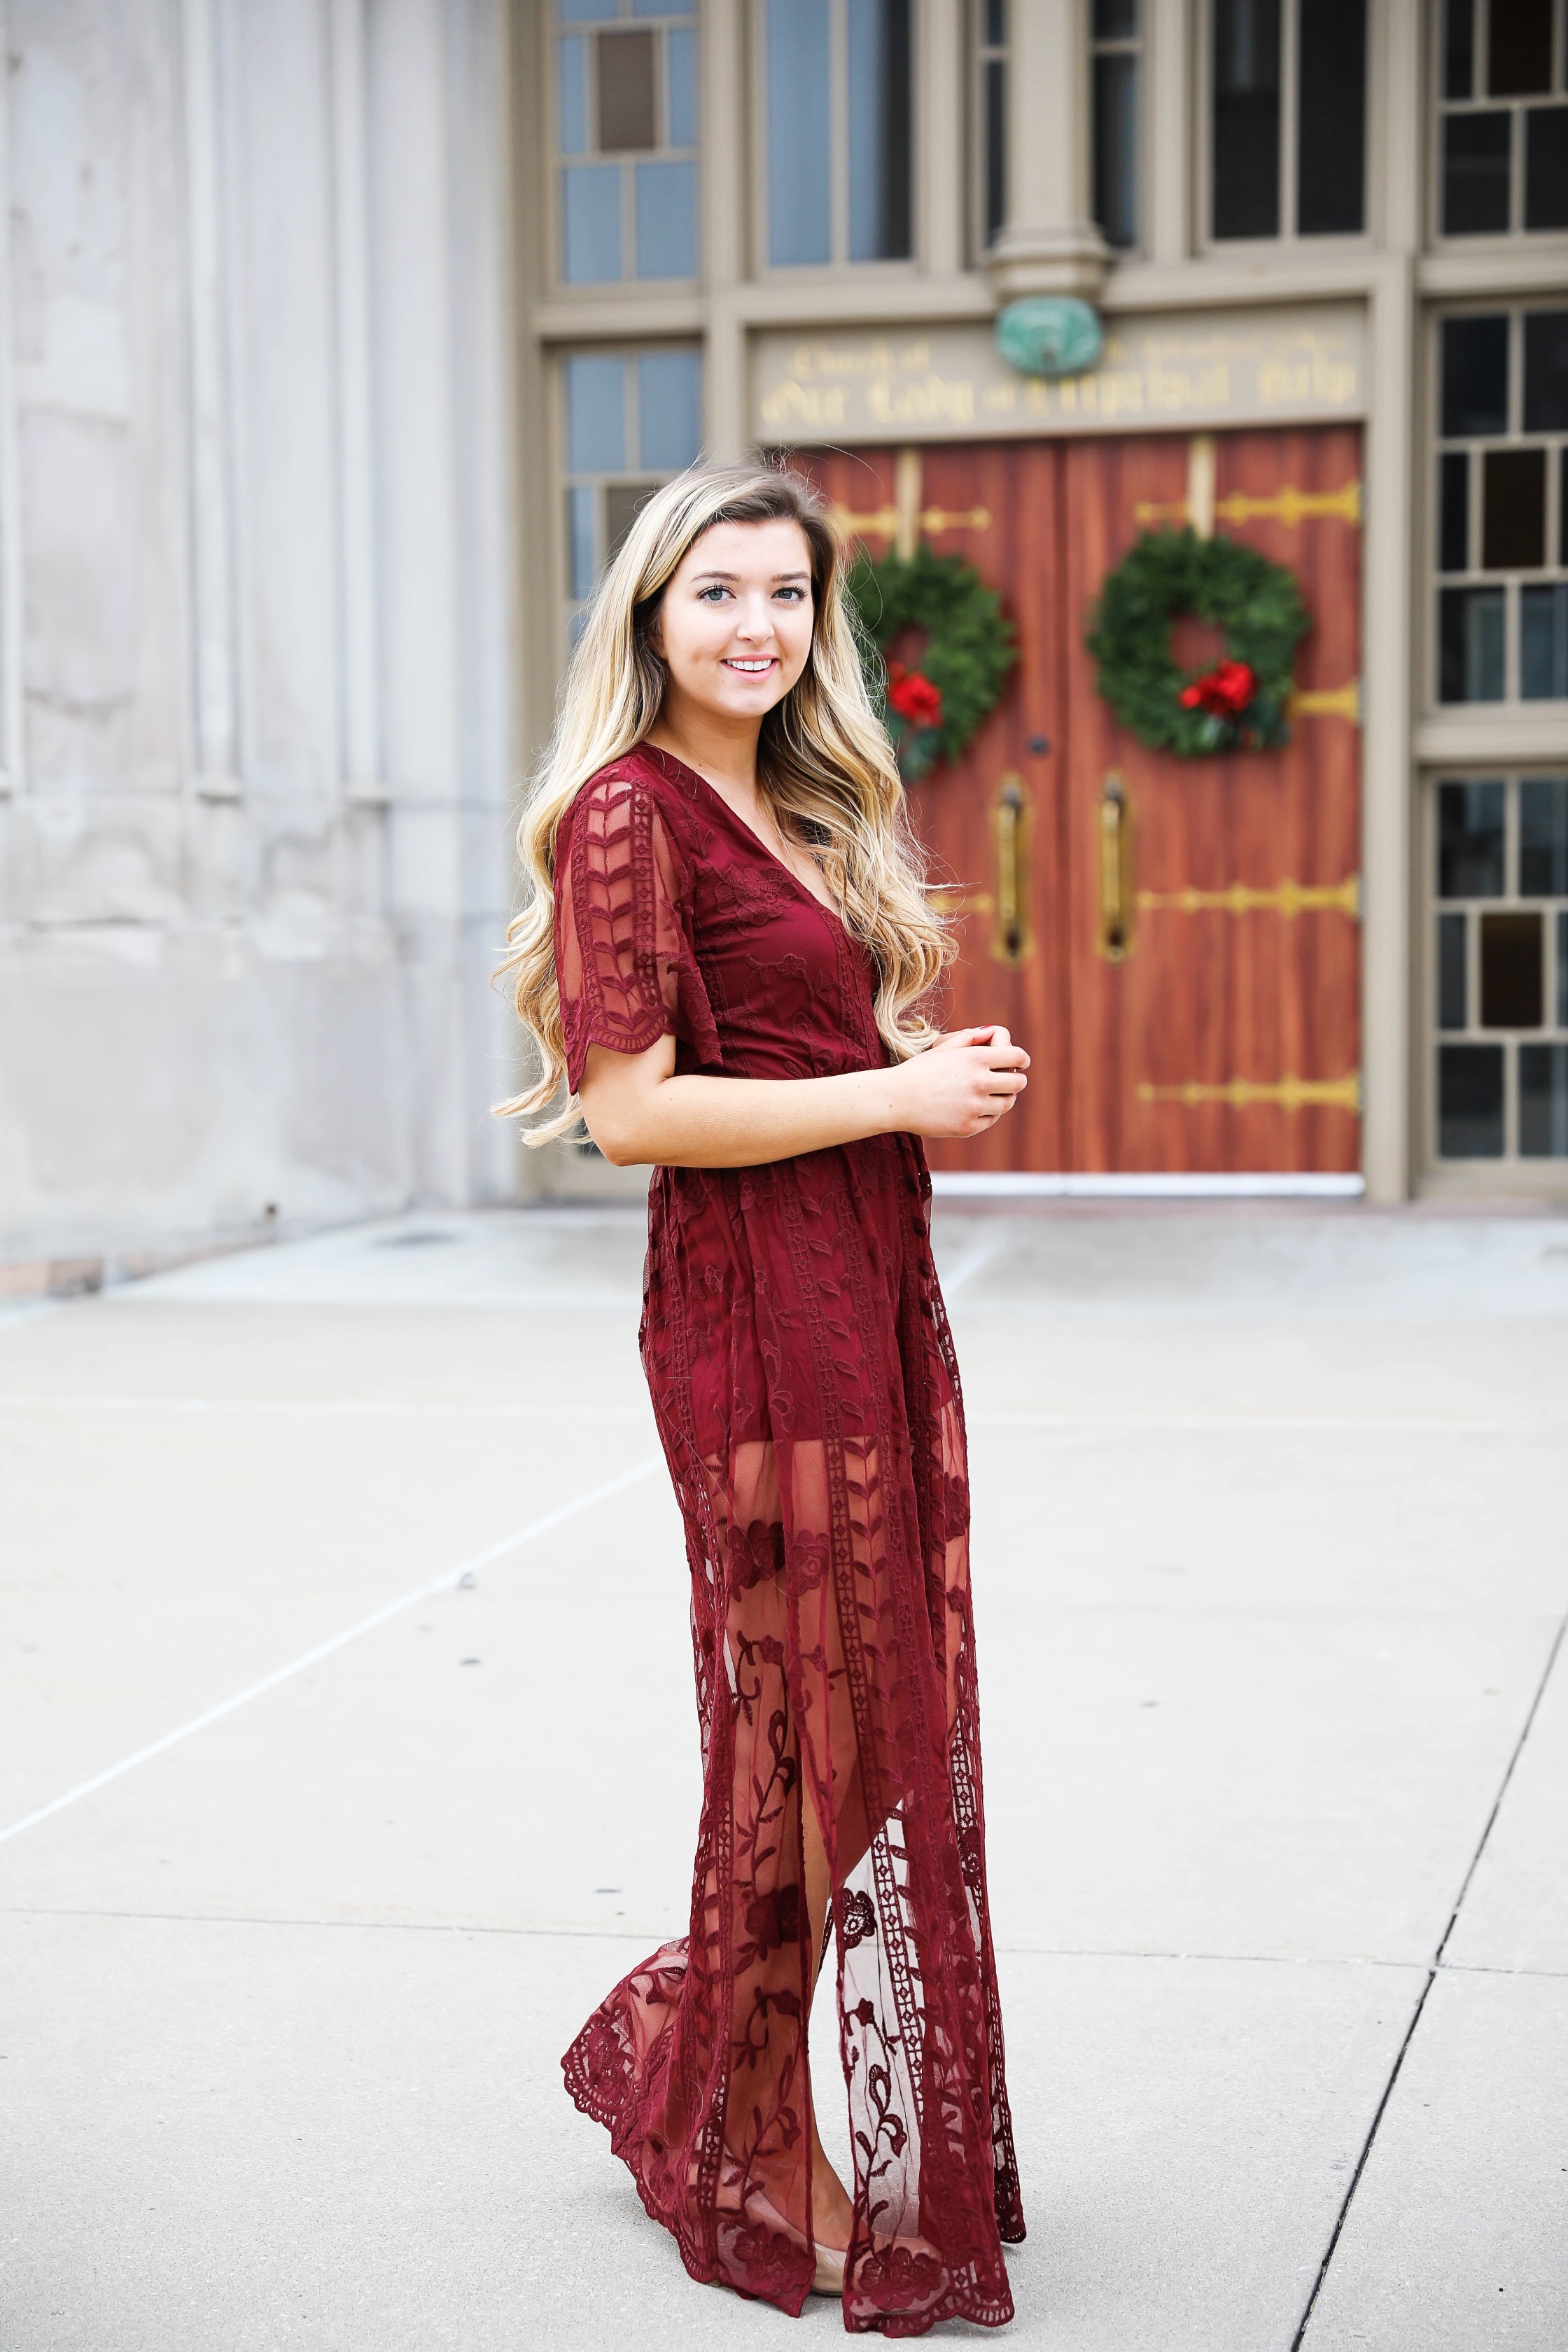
x,y
1177,942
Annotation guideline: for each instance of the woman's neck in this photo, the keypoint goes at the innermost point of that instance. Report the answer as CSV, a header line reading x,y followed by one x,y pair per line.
x,y
719,747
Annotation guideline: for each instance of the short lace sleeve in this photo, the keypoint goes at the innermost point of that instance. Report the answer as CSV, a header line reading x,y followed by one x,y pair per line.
x,y
624,958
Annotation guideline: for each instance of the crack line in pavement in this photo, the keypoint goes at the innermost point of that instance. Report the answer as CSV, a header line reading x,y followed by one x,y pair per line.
x,y
1552,1657
447,1581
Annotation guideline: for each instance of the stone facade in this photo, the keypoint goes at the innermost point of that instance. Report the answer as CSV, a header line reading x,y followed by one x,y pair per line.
x,y
256,615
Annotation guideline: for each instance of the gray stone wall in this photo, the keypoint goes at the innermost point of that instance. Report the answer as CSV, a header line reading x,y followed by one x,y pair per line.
x,y
256,555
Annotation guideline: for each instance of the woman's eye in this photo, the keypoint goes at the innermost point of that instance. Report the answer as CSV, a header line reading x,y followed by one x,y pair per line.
x,y
712,595
792,596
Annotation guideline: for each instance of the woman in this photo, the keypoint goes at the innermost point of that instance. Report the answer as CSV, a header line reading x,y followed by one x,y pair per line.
x,y
724,957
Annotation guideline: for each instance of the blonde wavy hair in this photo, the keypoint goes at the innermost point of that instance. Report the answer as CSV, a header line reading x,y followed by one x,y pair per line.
x,y
824,765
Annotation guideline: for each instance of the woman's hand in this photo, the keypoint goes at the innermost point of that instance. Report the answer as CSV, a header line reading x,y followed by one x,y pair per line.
x,y
961,1086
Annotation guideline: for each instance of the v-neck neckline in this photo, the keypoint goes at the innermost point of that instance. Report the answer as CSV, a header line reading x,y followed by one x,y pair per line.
x,y
823,905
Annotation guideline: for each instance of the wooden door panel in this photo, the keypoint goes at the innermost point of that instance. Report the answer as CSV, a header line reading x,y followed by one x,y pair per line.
x,y
1212,1003
1227,1039
1017,549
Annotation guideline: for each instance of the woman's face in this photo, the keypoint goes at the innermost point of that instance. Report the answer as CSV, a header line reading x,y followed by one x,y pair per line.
x,y
734,628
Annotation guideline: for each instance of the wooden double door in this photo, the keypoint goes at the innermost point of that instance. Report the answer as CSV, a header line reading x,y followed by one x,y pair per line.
x,y
1177,942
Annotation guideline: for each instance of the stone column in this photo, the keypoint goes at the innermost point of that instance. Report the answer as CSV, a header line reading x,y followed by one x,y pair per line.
x,y
1049,245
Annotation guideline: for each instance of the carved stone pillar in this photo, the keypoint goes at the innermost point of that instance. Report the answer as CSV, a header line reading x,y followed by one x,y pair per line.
x,y
1049,245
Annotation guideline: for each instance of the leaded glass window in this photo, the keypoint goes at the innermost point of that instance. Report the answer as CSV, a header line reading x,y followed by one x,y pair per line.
x,y
1502,118
1500,494
1288,118
625,136
1499,969
838,120
630,419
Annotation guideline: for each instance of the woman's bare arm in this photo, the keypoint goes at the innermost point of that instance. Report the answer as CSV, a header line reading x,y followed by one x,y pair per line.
x,y
638,1110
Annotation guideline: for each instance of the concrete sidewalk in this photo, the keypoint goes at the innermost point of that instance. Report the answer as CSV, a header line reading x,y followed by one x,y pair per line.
x,y
1271,1574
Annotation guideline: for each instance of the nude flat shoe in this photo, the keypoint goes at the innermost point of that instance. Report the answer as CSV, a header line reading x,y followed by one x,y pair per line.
x,y
830,2260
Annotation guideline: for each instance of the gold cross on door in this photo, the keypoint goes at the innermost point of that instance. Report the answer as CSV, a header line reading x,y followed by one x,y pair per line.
x,y
904,521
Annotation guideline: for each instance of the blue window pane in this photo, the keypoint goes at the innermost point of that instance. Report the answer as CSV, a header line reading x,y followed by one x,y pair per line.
x,y
596,416
666,220
879,129
1543,644
587,12
680,50
1452,989
1470,837
573,99
1470,1102
670,410
591,224
1543,837
581,554
660,7
800,174
1475,375
1543,1102
1471,647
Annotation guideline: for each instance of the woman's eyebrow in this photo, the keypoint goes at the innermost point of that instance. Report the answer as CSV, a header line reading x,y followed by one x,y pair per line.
x,y
780,578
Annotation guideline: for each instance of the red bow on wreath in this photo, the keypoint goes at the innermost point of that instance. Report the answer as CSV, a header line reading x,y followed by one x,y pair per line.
x,y
913,696
1224,690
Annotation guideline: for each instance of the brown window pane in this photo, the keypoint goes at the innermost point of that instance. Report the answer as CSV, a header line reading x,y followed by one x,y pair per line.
x,y
1513,970
1518,51
1513,510
622,500
625,92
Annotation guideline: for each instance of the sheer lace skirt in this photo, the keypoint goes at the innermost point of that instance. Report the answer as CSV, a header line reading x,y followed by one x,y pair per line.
x,y
834,1649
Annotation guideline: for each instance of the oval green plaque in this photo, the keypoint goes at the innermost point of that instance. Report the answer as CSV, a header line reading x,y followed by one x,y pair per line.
x,y
1050,335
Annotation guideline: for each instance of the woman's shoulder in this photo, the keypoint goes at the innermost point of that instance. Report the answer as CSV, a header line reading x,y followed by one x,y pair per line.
x,y
641,791
643,775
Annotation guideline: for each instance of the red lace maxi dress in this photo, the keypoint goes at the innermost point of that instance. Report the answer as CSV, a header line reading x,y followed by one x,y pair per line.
x,y
807,1398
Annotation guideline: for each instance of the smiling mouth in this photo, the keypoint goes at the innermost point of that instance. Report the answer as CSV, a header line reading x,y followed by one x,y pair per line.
x,y
747,668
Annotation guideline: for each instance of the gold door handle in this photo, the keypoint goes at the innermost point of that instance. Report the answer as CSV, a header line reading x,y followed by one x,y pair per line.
x,y
1115,941
1010,816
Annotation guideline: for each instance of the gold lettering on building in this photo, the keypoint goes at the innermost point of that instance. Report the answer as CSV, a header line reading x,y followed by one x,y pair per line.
x,y
950,382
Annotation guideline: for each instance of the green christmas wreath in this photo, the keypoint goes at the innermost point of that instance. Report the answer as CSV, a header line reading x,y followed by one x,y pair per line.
x,y
932,712
1239,705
